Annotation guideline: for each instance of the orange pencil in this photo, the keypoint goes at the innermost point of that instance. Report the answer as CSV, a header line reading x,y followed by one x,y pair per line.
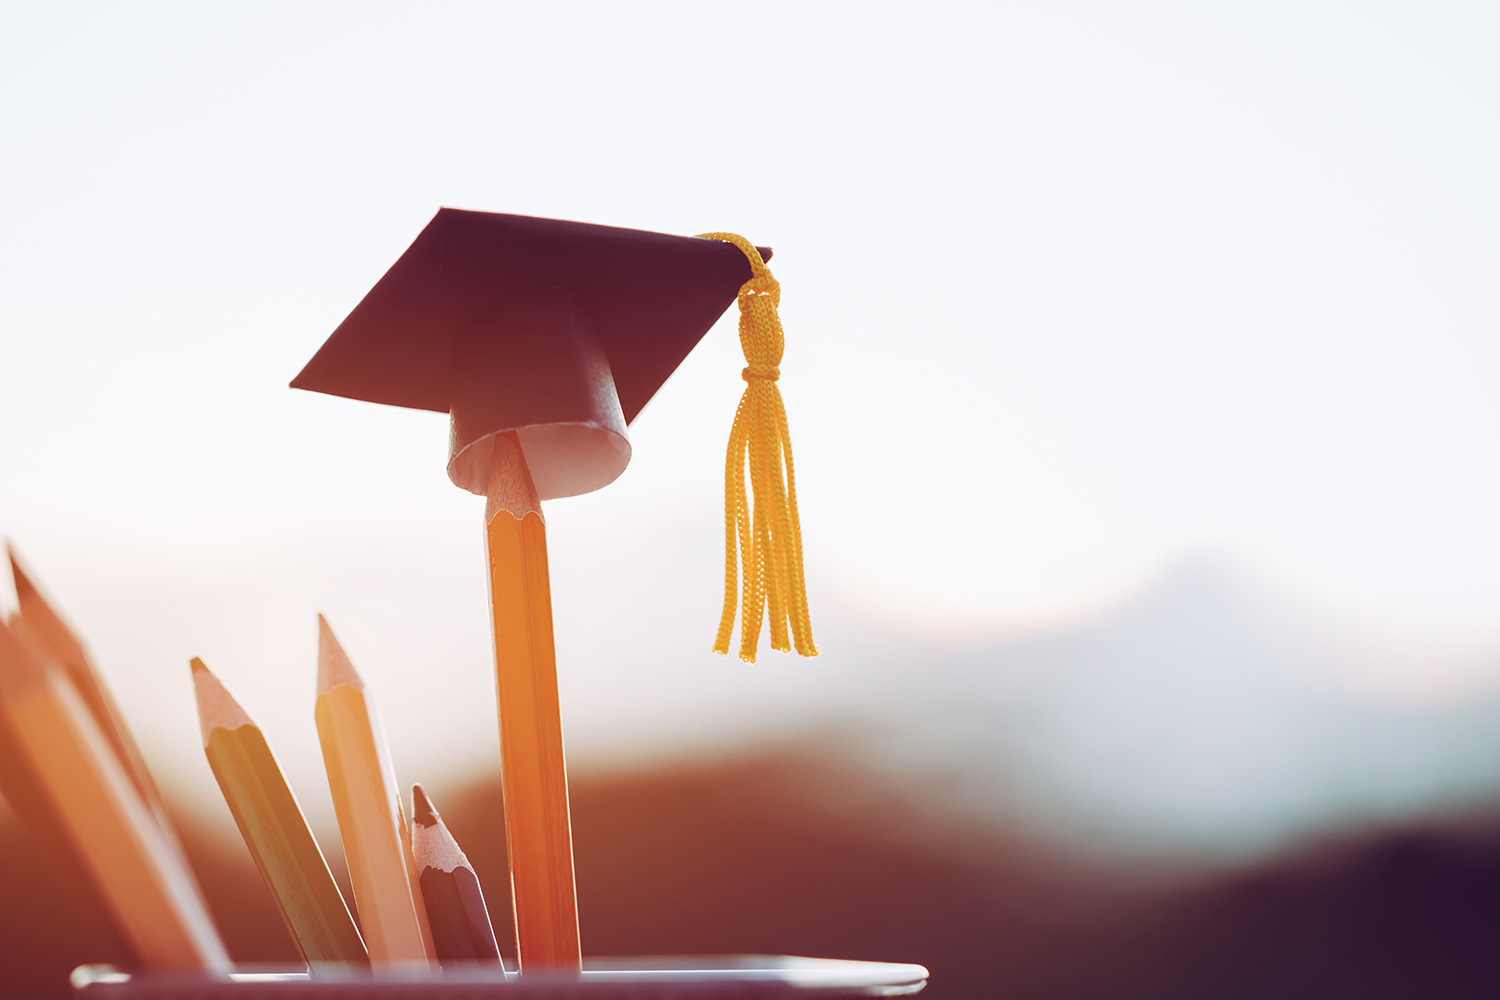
x,y
69,653
136,869
20,786
372,824
22,790
534,779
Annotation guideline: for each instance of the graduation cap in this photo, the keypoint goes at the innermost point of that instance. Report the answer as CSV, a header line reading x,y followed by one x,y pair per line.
x,y
560,332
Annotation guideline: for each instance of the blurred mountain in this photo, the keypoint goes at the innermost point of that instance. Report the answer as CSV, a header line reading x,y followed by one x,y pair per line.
x,y
1207,716
1211,714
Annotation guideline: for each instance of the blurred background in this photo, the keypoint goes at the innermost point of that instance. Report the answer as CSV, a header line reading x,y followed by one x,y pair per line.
x,y
1141,369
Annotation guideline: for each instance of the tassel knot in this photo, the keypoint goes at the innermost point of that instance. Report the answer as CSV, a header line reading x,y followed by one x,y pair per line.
x,y
761,284
761,529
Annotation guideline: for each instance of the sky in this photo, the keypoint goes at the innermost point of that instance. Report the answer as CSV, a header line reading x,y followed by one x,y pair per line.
x,y
1075,293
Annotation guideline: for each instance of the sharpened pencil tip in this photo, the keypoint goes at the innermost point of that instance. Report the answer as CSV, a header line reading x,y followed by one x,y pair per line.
x,y
217,708
24,587
432,843
334,667
422,812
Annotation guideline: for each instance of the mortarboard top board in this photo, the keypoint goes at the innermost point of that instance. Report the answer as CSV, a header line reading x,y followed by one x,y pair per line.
x,y
560,331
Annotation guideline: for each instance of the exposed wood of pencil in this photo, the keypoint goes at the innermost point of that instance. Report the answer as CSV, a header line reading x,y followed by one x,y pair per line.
x,y
274,828
367,802
153,898
460,922
534,777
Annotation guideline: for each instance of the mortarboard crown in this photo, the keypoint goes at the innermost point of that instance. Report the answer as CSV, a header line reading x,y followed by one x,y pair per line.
x,y
559,331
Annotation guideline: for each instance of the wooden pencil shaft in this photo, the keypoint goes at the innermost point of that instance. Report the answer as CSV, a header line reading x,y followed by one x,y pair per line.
x,y
25,796
48,628
413,882
533,773
71,654
23,792
20,788
369,815
278,837
136,870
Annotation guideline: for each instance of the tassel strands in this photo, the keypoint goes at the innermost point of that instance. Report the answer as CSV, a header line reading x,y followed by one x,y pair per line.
x,y
762,534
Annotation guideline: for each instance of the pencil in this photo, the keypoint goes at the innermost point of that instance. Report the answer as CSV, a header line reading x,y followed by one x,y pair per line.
x,y
69,652
372,824
534,778
152,897
20,786
460,922
275,829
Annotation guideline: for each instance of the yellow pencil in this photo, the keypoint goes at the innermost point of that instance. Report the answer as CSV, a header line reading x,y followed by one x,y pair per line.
x,y
138,873
274,829
372,824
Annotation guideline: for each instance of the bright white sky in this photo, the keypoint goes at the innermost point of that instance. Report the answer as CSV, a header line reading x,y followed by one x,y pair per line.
x,y
1072,291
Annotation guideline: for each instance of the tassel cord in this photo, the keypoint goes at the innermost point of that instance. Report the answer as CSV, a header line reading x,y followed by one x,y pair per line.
x,y
763,573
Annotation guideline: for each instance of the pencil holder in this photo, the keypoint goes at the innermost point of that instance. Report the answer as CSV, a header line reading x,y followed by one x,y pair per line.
x,y
727,977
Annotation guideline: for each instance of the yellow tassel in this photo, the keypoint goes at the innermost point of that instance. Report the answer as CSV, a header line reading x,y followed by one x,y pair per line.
x,y
766,537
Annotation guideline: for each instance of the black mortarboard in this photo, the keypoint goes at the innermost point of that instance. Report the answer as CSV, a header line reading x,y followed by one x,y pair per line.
x,y
560,331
